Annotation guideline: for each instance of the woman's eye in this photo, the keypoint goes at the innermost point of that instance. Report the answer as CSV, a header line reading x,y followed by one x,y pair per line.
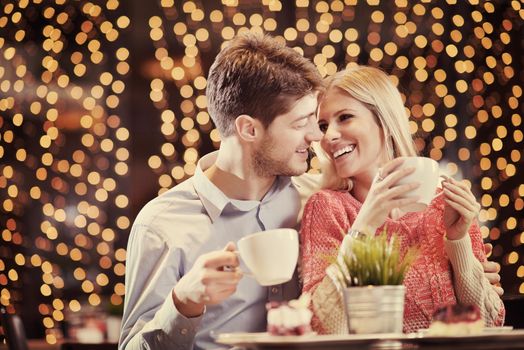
x,y
344,117
322,127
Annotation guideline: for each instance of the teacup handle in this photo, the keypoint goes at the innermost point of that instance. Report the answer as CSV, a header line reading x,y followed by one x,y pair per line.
x,y
441,192
229,268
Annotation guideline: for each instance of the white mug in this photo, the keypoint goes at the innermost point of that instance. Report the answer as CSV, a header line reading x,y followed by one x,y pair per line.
x,y
270,255
427,174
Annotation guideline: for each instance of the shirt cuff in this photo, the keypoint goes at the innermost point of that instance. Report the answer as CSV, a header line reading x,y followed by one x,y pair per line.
x,y
460,253
176,325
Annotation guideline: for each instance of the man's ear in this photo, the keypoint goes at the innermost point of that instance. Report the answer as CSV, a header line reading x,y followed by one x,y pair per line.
x,y
247,127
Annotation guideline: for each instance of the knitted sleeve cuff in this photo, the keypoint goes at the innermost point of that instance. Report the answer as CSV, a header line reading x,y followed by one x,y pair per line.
x,y
471,285
460,253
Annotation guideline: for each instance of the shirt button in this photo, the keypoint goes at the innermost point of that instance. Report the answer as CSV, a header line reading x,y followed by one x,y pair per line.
x,y
274,290
183,331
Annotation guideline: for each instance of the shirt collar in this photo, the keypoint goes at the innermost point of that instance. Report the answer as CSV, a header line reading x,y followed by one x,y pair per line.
x,y
215,201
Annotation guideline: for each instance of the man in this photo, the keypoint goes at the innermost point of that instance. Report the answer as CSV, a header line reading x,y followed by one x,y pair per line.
x,y
262,97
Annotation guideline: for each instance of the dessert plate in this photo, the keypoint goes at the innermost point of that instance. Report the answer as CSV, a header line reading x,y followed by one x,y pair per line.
x,y
487,330
496,334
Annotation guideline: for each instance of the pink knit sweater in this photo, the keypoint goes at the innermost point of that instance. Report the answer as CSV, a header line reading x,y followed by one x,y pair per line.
x,y
429,282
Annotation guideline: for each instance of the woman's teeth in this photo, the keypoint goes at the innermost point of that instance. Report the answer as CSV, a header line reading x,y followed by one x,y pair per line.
x,y
347,149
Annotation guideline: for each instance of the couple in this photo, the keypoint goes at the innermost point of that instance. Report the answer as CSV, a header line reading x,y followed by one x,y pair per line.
x,y
263,97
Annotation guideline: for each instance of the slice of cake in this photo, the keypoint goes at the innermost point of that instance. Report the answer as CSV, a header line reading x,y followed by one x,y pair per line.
x,y
289,318
456,320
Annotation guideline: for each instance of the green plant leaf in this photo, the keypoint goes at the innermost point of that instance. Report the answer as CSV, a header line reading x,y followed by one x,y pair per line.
x,y
376,260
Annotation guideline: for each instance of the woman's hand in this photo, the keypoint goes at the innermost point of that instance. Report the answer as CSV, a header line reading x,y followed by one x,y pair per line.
x,y
385,196
460,210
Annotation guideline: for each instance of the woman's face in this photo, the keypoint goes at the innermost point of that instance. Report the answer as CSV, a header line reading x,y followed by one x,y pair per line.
x,y
352,139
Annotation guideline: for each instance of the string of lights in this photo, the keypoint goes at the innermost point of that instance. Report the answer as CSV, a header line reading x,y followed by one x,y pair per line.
x,y
66,118
64,153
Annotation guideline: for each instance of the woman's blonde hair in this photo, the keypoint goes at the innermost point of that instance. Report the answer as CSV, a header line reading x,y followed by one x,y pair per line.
x,y
373,88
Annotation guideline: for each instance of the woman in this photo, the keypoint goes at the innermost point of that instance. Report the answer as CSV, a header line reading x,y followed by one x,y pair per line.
x,y
365,128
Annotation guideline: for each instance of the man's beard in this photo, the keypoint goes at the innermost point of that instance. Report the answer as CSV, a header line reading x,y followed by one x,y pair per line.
x,y
266,163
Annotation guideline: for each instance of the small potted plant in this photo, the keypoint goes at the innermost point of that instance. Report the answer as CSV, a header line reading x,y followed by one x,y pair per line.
x,y
371,269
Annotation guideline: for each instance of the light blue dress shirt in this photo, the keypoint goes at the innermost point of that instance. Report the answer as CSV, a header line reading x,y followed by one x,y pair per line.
x,y
170,233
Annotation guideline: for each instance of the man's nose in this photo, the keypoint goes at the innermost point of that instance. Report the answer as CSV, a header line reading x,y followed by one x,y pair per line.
x,y
315,134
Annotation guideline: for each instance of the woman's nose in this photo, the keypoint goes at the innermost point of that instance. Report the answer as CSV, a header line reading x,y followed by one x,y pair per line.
x,y
332,133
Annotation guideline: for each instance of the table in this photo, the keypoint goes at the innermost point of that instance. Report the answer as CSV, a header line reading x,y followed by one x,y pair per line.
x,y
504,340
84,346
40,344
36,344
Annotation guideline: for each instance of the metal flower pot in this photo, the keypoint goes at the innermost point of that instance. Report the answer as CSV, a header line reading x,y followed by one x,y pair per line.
x,y
374,309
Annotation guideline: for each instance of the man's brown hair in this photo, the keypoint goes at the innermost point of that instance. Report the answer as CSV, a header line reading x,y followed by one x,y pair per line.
x,y
258,76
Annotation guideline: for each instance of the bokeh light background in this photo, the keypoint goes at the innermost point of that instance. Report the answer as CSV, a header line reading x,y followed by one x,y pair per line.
x,y
102,107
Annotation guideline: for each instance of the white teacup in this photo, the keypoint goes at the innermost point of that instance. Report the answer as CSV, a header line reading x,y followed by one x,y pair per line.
x,y
270,255
427,174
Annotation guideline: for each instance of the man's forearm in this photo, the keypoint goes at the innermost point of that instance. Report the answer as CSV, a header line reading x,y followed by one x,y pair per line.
x,y
168,329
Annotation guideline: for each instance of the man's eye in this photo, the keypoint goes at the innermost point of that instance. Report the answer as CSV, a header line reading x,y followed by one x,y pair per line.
x,y
301,124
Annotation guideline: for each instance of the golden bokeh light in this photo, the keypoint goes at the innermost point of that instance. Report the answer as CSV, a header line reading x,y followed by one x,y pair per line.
x,y
73,146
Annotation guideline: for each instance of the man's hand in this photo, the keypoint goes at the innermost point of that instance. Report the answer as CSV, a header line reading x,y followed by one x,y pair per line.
x,y
211,280
491,270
